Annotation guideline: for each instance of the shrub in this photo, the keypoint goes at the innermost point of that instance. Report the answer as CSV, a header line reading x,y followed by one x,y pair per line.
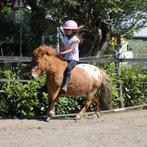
x,y
134,86
22,99
29,100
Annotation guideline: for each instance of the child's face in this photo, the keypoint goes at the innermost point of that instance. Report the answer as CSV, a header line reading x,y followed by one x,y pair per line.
x,y
68,32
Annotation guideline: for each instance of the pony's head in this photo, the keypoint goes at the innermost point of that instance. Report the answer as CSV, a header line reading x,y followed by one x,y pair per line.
x,y
40,57
44,50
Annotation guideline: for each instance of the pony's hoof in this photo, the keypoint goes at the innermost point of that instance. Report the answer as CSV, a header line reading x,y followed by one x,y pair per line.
x,y
98,115
48,119
51,113
94,116
78,117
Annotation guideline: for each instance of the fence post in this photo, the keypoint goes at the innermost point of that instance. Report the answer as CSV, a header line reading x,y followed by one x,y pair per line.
x,y
118,67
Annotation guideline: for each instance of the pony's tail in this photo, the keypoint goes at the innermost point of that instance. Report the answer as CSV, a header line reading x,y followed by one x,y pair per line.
x,y
105,91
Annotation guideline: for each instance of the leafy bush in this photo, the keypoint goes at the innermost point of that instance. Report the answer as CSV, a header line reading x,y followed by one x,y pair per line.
x,y
134,86
28,100
20,100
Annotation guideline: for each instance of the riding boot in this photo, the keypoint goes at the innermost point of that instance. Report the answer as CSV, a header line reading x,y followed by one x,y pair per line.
x,y
65,83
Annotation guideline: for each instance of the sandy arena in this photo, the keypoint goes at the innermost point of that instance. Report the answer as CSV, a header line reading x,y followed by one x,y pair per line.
x,y
123,129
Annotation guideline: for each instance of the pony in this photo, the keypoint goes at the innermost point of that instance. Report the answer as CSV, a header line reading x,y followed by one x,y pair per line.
x,y
86,80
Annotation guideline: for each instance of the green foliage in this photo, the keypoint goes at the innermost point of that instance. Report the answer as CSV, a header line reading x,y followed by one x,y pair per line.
x,y
21,100
134,86
120,16
66,105
98,16
8,74
27,100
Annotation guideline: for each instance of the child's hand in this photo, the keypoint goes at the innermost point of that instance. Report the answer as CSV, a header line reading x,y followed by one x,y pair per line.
x,y
59,54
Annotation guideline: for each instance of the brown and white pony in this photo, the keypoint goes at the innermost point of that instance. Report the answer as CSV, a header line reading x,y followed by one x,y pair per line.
x,y
85,80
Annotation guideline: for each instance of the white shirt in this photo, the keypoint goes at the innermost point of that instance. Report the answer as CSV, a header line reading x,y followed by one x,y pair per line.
x,y
67,45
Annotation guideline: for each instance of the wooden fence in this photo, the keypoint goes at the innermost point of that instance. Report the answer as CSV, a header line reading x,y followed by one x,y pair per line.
x,y
16,59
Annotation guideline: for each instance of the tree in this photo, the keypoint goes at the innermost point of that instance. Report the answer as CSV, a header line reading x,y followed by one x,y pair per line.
x,y
102,18
34,25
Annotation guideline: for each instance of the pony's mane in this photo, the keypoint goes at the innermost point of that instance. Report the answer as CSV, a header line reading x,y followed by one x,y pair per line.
x,y
44,50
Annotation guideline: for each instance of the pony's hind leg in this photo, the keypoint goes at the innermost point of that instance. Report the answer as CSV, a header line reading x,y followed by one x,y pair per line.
x,y
88,102
97,105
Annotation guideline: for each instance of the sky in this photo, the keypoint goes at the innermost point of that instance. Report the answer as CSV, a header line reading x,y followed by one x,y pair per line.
x,y
142,32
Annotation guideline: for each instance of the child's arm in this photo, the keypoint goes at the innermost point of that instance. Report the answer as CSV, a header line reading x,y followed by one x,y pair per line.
x,y
72,48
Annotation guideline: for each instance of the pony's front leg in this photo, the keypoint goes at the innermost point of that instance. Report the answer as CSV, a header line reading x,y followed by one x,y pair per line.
x,y
51,107
52,98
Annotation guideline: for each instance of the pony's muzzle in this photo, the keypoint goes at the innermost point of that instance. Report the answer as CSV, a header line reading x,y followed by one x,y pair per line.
x,y
34,74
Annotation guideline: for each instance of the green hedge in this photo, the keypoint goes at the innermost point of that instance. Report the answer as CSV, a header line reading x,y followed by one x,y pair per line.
x,y
134,86
18,100
28,100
